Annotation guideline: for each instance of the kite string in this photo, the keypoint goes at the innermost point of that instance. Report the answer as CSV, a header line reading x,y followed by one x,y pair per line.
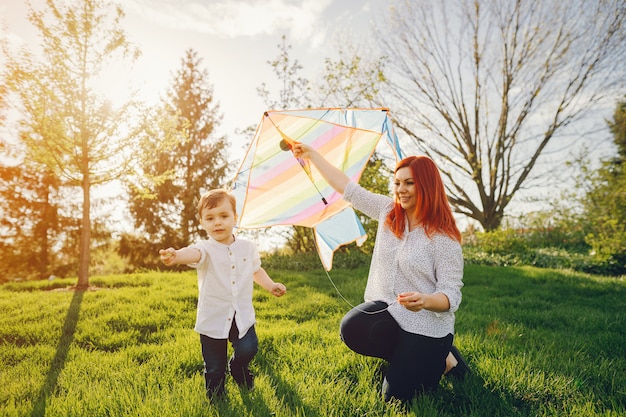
x,y
304,164
350,304
344,298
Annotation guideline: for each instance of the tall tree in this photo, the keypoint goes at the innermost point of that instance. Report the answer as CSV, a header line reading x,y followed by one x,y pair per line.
x,y
28,221
194,161
203,156
294,89
66,125
618,129
352,79
605,201
487,87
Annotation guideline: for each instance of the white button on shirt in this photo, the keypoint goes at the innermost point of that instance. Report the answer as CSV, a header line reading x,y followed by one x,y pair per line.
x,y
413,263
225,284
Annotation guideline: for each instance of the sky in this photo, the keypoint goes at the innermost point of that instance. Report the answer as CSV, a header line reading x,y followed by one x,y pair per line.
x,y
234,38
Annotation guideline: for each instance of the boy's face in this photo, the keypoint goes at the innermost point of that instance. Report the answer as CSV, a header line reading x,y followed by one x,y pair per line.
x,y
219,221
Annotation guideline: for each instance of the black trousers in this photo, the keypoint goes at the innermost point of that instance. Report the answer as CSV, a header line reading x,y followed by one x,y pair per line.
x,y
214,353
416,362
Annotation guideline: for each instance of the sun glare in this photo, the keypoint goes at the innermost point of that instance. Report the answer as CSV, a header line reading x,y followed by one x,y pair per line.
x,y
119,83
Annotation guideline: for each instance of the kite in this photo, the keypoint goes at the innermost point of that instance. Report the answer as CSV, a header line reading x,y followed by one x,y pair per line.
x,y
273,187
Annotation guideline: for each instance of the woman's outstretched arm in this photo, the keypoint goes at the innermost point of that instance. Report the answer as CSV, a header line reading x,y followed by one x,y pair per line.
x,y
335,177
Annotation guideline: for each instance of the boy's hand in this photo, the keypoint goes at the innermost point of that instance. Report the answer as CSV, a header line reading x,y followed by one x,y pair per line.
x,y
278,289
168,256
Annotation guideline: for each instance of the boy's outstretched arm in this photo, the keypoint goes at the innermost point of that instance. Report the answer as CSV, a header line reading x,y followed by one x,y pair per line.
x,y
276,288
187,255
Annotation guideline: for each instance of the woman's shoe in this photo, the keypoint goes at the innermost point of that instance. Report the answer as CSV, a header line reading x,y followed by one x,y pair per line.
x,y
462,368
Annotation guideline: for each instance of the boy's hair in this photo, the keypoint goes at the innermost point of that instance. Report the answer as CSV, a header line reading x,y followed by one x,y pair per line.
x,y
214,197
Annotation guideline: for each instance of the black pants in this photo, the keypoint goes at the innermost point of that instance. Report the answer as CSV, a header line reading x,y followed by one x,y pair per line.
x,y
416,362
214,353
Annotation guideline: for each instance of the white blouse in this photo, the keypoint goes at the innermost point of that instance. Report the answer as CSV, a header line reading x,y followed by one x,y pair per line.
x,y
413,263
225,284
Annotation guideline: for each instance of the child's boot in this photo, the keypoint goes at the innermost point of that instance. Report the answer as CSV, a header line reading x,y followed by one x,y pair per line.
x,y
242,376
215,385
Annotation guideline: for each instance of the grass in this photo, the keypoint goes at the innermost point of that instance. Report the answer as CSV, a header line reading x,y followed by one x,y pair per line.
x,y
540,343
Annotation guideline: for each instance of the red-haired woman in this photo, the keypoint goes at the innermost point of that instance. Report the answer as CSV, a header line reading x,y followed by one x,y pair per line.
x,y
415,278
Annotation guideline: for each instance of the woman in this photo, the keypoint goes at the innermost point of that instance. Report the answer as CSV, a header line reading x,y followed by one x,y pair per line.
x,y
415,279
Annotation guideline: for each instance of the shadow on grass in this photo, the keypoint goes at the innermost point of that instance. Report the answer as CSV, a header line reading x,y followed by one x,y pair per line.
x,y
60,357
282,389
566,329
472,396
255,404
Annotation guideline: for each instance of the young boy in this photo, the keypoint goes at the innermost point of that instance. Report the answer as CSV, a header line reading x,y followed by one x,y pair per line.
x,y
226,268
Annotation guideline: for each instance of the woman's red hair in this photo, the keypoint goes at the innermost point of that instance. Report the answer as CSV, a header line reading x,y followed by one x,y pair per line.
x,y
432,209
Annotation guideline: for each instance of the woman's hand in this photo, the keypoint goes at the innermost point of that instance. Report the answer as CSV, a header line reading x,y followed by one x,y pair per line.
x,y
302,150
414,301
335,177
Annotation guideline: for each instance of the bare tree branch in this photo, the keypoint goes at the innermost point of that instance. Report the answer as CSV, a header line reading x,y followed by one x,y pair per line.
x,y
487,87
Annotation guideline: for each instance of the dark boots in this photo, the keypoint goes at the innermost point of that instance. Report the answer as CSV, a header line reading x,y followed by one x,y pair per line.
x,y
215,384
242,375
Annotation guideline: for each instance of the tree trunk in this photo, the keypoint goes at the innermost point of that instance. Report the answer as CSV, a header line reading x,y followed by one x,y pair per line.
x,y
43,265
85,238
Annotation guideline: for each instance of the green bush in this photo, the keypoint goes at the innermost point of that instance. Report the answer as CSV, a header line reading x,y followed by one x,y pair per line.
x,y
549,257
543,239
501,242
500,248
344,258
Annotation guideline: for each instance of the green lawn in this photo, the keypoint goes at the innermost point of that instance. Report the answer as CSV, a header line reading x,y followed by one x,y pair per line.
x,y
540,343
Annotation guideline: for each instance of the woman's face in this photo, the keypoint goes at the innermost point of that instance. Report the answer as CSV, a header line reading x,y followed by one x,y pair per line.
x,y
404,188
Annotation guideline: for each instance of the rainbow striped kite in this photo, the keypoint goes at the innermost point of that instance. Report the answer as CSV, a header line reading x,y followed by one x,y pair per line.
x,y
273,187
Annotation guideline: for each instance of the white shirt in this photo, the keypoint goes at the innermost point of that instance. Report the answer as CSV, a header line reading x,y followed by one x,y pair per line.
x,y
225,284
413,263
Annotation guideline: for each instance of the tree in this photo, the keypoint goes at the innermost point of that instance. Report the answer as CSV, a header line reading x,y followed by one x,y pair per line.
x,y
65,124
486,88
618,129
605,201
29,221
194,160
294,90
3,105
351,80
203,156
